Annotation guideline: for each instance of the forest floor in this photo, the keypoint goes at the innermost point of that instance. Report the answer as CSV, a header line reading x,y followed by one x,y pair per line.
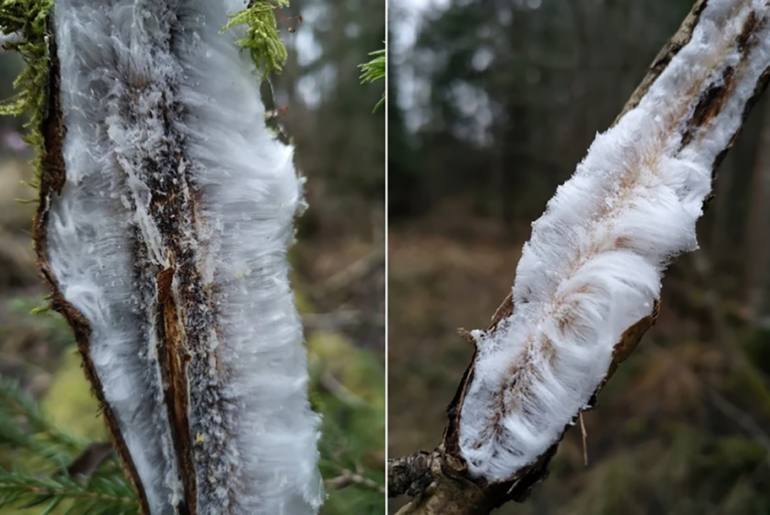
x,y
680,427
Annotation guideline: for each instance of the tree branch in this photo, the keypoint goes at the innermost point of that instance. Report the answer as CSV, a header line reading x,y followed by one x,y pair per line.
x,y
440,482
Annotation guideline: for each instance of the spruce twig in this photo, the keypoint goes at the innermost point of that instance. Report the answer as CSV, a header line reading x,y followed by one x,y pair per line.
x,y
374,70
26,430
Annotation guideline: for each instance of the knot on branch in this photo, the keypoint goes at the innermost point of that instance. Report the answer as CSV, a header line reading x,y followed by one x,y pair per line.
x,y
410,475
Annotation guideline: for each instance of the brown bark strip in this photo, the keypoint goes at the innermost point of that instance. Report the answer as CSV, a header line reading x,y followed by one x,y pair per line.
x,y
169,209
712,101
449,488
173,359
709,105
746,39
52,179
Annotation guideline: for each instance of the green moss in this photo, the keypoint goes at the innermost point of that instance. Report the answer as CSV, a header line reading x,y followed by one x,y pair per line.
x,y
261,38
28,20
69,402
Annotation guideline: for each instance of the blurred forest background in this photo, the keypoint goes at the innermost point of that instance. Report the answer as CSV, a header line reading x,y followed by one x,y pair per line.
x,y
338,264
492,104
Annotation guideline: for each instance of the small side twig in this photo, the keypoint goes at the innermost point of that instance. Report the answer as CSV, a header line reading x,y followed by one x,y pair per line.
x,y
89,461
351,274
348,478
584,435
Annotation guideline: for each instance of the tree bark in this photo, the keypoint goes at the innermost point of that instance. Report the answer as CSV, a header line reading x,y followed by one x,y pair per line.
x,y
439,482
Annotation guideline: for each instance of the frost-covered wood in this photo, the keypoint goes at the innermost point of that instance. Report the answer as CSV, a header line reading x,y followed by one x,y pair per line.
x,y
166,211
593,264
588,282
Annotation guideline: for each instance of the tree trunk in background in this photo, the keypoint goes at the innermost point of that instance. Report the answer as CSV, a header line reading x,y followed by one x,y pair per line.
x,y
758,226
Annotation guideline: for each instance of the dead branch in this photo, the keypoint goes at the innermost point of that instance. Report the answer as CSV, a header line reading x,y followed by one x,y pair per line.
x,y
439,482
